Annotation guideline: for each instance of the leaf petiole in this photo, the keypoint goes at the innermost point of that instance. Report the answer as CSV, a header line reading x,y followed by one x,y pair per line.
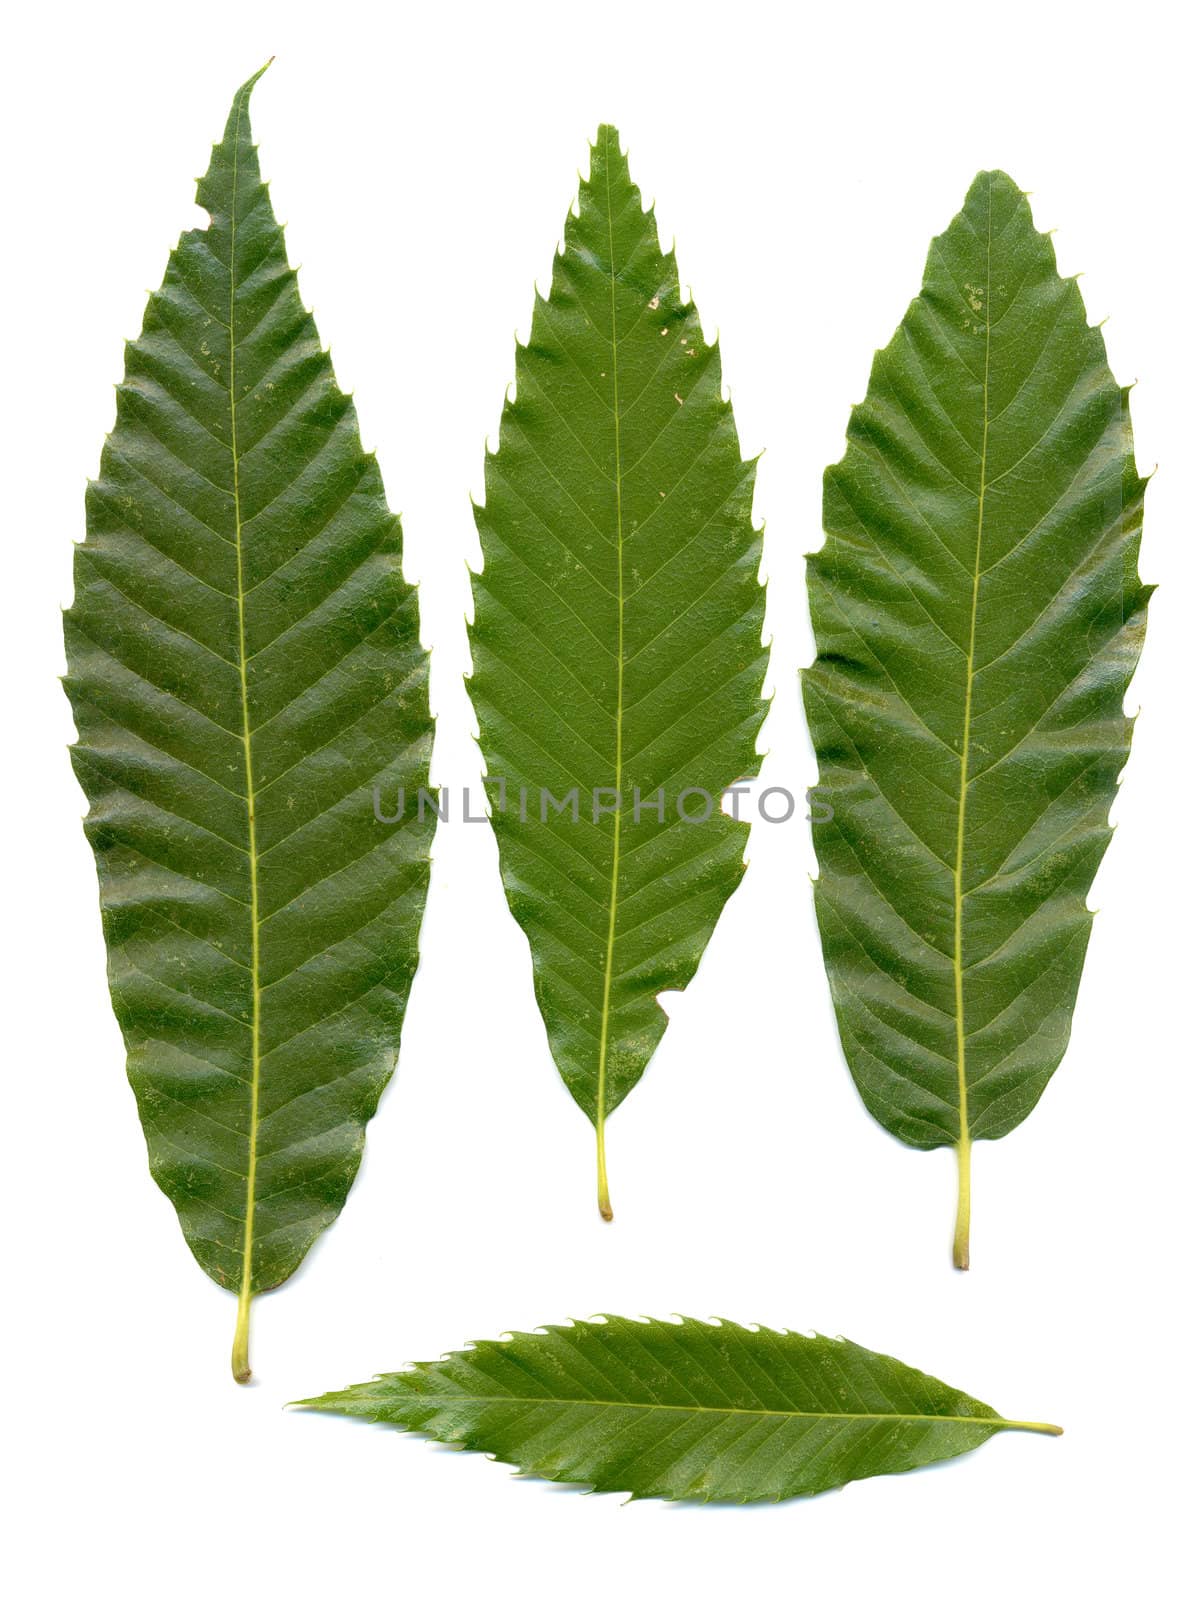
x,y
961,1232
601,1161
240,1360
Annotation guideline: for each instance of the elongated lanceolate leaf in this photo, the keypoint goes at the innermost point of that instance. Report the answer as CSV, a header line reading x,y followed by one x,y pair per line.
x,y
682,1411
618,661
244,666
978,616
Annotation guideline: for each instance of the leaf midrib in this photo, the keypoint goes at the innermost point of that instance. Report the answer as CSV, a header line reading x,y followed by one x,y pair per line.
x,y
241,1367
962,1242
605,1205
418,1397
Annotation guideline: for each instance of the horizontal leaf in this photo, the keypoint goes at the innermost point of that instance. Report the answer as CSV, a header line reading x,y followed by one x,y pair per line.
x,y
244,665
978,616
616,642
682,1411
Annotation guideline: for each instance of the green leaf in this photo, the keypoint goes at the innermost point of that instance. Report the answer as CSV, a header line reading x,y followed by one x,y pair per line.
x,y
978,616
617,641
682,1411
244,665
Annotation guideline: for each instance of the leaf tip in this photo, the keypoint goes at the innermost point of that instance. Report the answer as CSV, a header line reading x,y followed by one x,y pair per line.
x,y
251,81
993,178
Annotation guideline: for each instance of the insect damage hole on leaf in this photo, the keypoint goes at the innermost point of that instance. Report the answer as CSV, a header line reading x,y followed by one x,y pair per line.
x,y
245,667
617,640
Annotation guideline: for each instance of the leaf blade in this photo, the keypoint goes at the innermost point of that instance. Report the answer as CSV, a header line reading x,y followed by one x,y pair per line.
x,y
689,1410
243,662
619,556
978,616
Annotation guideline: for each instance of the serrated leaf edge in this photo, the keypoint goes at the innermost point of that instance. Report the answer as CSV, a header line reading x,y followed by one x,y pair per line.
x,y
332,1402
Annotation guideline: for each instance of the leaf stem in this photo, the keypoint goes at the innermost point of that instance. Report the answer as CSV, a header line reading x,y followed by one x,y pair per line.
x,y
961,1233
601,1095
241,1336
961,1236
241,1341
605,1204
1033,1427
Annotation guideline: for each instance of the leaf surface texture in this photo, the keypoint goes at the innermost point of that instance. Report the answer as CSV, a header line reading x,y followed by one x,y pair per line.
x,y
617,640
682,1411
978,615
244,665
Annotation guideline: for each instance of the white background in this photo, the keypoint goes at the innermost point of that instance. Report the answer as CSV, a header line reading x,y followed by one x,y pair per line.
x,y
424,158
